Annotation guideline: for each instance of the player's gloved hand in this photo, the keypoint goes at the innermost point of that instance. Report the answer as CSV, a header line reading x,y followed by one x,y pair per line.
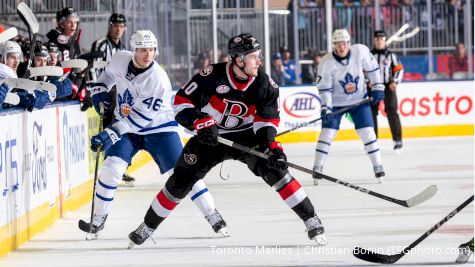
x,y
105,139
27,100
41,99
207,131
3,93
64,88
376,97
277,158
99,94
326,115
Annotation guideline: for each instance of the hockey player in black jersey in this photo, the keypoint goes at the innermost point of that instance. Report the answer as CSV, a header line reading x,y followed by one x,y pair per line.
x,y
238,101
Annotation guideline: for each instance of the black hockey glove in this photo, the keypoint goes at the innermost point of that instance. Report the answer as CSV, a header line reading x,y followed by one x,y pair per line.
x,y
277,158
207,131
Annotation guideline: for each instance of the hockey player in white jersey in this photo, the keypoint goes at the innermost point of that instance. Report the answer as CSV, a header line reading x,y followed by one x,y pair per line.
x,y
144,119
340,82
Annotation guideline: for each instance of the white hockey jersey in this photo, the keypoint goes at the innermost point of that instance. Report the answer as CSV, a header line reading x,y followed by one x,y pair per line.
x,y
144,102
341,82
6,72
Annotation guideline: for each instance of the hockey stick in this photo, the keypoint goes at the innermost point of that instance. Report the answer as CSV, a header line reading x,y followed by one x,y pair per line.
x,y
92,55
46,86
45,71
419,198
8,34
82,224
12,99
20,83
31,22
367,255
343,110
100,64
396,36
74,63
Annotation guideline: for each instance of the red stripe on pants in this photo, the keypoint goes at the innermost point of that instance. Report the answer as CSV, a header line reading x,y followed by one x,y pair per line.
x,y
289,189
165,202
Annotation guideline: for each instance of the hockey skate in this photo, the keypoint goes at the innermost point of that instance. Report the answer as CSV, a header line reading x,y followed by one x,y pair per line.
x,y
127,181
93,229
379,173
318,169
315,231
465,253
398,147
217,223
139,235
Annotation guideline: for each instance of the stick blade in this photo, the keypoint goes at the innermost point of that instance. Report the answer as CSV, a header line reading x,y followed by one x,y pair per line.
x,y
368,255
99,64
8,34
26,14
74,63
46,71
46,86
12,99
428,193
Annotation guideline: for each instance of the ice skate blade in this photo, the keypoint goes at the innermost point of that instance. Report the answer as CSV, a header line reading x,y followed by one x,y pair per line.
x,y
398,151
224,232
127,184
315,182
131,245
321,240
91,236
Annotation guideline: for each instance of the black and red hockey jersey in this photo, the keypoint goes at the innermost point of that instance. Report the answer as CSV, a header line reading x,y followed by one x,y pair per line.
x,y
235,106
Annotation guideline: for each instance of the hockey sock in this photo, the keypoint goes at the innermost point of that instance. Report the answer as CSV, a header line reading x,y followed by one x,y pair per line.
x,y
323,145
294,196
371,145
109,177
162,205
202,198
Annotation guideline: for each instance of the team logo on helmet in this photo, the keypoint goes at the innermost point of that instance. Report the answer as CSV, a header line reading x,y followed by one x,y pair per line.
x,y
126,101
206,70
190,159
350,85
222,89
237,39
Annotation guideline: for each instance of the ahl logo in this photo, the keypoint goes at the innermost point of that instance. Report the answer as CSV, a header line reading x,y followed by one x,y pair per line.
x,y
126,101
222,89
302,105
350,85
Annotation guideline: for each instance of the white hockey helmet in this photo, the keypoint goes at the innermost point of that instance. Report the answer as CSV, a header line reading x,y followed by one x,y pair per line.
x,y
143,39
10,47
340,35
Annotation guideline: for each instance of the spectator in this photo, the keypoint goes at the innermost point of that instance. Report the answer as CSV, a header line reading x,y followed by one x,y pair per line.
x,y
202,61
224,58
64,36
309,73
289,66
458,62
277,70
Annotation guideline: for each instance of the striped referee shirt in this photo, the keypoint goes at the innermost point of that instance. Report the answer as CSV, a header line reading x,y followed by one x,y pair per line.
x,y
390,66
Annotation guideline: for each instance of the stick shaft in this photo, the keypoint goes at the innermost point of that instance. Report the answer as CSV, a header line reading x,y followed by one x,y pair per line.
x,y
345,109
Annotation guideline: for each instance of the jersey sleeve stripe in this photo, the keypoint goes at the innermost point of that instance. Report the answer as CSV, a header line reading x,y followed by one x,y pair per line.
x,y
168,124
274,121
134,123
141,115
368,71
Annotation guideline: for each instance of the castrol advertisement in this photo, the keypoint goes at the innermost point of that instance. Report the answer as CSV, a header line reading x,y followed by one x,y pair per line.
x,y
420,104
